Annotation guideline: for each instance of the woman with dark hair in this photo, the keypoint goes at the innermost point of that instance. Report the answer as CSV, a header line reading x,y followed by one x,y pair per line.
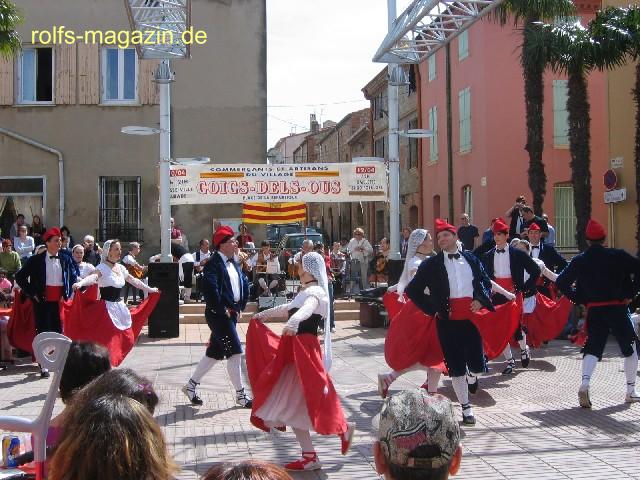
x,y
37,229
244,236
64,230
250,470
111,437
108,321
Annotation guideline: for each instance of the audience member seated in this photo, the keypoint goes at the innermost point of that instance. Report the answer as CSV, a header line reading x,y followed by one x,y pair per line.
x,y
6,286
66,233
13,231
419,437
9,260
201,257
111,437
379,264
244,258
23,244
249,470
267,270
244,236
37,229
136,270
91,254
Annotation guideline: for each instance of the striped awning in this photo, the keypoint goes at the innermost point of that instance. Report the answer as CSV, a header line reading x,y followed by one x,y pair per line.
x,y
266,213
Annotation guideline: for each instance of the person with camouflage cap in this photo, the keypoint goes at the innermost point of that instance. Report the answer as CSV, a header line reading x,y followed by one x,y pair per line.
x,y
419,437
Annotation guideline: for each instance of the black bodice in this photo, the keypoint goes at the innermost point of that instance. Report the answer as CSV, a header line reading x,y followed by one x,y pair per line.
x,y
310,325
110,294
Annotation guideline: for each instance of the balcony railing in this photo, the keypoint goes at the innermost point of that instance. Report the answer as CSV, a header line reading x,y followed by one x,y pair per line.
x,y
121,232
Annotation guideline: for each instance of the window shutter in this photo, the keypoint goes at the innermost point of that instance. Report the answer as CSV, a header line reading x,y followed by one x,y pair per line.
x,y
560,113
6,81
65,64
147,88
88,74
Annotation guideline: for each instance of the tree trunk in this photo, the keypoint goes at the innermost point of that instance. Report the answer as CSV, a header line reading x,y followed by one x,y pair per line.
x,y
579,139
534,102
636,154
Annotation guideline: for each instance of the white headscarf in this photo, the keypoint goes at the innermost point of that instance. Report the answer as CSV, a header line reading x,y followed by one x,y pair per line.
x,y
314,264
106,246
415,239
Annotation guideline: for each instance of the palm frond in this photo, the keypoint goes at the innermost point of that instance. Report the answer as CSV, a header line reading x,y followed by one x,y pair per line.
x,y
10,18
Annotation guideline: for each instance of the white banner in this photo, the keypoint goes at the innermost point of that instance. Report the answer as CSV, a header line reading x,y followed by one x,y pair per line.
x,y
311,182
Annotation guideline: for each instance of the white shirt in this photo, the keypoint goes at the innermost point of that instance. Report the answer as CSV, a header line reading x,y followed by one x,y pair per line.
x,y
203,256
86,269
24,247
54,270
535,252
502,264
233,276
363,243
460,277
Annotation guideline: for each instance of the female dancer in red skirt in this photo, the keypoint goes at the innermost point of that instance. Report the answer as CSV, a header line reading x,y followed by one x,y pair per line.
x,y
108,321
289,378
543,317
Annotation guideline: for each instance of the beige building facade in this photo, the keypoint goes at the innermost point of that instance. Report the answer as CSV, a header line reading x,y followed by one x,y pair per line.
x,y
62,107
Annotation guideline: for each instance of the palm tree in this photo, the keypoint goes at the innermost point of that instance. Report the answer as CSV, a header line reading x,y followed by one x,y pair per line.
x,y
9,19
617,30
570,48
528,14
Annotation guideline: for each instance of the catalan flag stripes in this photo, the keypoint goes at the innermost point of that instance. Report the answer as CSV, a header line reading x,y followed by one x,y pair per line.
x,y
274,212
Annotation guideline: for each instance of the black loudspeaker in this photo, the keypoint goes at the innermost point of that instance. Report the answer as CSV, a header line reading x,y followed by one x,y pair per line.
x,y
394,268
164,321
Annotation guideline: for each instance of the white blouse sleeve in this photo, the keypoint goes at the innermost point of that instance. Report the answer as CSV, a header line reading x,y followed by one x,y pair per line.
x,y
495,288
545,271
305,311
139,284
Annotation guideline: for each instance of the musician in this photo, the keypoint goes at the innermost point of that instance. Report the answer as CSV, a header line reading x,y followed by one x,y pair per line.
x,y
135,270
378,265
265,262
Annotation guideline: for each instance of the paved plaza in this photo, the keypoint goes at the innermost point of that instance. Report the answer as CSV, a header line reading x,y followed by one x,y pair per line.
x,y
529,424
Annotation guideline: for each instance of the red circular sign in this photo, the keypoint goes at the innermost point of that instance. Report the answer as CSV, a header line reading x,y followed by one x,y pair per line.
x,y
610,180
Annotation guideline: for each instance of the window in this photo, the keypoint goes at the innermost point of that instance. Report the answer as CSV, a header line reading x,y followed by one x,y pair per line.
x,y
464,107
565,216
467,201
432,67
560,114
35,70
119,75
412,160
463,45
433,141
120,209
380,106
380,148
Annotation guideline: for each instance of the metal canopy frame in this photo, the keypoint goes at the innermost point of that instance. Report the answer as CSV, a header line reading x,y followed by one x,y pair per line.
x,y
427,25
169,19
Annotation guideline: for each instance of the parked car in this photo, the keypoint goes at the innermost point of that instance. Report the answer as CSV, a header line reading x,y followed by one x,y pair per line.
x,y
275,232
291,243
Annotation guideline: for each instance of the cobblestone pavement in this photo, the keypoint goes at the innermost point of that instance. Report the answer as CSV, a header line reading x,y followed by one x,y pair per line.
x,y
529,424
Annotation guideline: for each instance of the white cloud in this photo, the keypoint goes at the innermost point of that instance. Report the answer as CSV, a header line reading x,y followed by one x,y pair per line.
x,y
320,53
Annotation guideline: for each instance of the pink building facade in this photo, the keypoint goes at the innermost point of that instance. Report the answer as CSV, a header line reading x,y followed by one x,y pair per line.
x,y
489,132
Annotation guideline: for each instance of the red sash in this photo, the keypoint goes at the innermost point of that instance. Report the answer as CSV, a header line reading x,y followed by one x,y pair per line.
x,y
607,303
506,283
53,294
540,281
460,308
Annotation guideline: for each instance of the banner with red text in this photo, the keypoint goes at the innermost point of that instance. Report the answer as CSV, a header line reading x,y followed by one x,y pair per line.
x,y
309,182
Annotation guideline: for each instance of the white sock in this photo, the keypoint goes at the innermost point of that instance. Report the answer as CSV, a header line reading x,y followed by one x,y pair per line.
x,y
203,367
630,370
523,343
233,369
304,439
433,379
273,284
187,293
589,363
508,356
262,283
461,389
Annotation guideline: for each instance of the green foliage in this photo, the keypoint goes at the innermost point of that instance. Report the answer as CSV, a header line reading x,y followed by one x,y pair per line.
x,y
10,18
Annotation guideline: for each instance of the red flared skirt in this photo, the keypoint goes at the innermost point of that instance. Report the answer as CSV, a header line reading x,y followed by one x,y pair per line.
x,y
412,339
267,354
392,304
86,319
547,320
21,328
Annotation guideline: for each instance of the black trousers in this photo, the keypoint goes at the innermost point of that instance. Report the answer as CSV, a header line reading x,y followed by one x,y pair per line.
x,y
224,341
461,345
187,270
602,321
47,316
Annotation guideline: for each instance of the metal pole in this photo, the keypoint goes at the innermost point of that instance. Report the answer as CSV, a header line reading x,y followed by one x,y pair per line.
x,y
394,161
164,77
450,215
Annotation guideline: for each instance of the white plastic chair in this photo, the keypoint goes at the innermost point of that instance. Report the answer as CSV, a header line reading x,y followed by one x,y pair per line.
x,y
50,350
